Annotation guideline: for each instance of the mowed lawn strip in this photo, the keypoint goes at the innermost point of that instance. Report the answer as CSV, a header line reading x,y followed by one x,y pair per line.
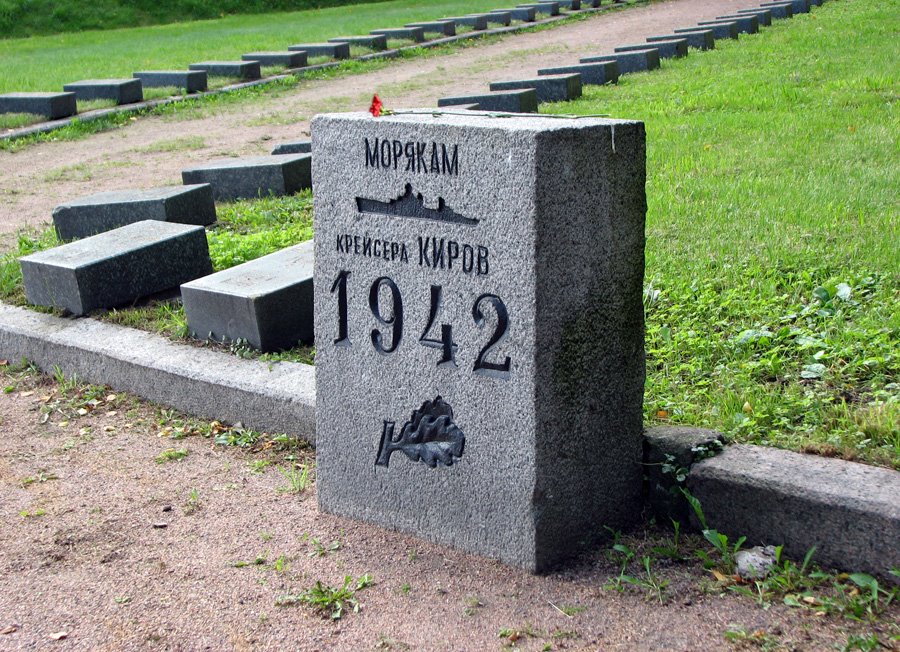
x,y
45,63
773,272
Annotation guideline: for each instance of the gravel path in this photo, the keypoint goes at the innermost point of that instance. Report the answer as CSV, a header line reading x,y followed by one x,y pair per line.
x,y
153,151
101,543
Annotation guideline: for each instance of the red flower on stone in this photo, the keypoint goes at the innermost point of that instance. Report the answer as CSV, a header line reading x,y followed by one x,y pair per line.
x,y
376,108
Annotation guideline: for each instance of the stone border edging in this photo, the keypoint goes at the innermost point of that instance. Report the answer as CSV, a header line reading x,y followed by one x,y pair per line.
x,y
210,384
137,107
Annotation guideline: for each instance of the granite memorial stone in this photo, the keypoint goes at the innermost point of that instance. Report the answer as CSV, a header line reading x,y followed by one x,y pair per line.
x,y
373,41
268,301
764,16
105,211
722,29
500,17
521,101
252,177
294,147
116,267
247,70
676,47
477,22
192,81
333,50
49,105
604,72
747,23
287,59
700,38
628,62
121,91
446,27
549,88
479,327
776,11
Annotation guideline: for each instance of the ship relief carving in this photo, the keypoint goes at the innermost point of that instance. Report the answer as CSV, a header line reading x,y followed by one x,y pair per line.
x,y
413,206
430,436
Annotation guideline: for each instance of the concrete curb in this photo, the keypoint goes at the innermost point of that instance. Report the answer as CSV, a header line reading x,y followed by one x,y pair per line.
x,y
850,512
137,107
275,398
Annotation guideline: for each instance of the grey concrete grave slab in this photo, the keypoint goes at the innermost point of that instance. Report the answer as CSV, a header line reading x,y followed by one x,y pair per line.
x,y
121,91
777,11
747,24
268,301
629,62
519,101
848,511
702,39
51,105
373,41
477,22
333,50
525,14
446,27
592,4
571,5
294,147
598,73
415,34
287,59
473,386
797,6
549,8
719,29
253,176
763,17
87,216
501,16
549,88
116,267
247,70
667,49
192,81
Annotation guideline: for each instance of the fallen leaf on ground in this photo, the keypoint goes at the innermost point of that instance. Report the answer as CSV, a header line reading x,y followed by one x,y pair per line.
x,y
111,398
3,363
58,636
12,628
26,394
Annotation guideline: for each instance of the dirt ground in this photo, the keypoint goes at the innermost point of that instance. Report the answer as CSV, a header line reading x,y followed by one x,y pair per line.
x,y
101,543
153,151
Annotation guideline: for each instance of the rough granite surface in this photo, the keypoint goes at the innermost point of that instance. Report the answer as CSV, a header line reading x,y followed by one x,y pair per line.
x,y
51,105
116,267
253,176
628,62
667,49
532,339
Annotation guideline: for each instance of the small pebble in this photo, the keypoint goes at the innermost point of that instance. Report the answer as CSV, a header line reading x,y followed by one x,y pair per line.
x,y
159,526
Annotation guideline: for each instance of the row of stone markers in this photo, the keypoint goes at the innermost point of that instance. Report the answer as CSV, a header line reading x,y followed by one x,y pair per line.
x,y
238,303
57,105
563,83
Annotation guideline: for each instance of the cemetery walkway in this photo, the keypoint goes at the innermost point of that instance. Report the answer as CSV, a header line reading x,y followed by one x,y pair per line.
x,y
152,151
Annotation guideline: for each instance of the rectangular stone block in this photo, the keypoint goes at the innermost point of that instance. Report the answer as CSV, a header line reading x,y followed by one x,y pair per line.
x,y
477,22
848,511
116,267
599,73
591,4
191,81
294,147
549,8
333,50
702,39
549,88
763,16
445,27
571,5
415,34
525,14
286,59
777,11
722,29
49,105
667,49
797,6
247,70
253,176
520,101
122,91
268,301
105,211
747,24
373,41
479,328
501,17
628,62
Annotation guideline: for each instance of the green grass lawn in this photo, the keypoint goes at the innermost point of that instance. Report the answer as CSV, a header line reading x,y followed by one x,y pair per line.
x,y
773,248
45,63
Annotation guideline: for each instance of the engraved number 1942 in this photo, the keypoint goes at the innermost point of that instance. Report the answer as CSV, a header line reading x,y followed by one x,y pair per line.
x,y
387,338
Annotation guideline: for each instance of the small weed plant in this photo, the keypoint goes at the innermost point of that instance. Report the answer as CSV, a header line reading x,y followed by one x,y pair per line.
x,y
330,602
298,478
